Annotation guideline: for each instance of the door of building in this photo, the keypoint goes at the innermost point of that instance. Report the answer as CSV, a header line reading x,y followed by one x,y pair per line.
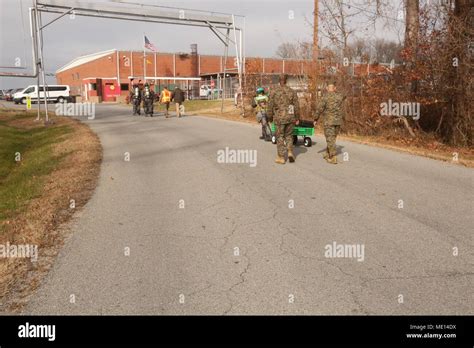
x,y
109,92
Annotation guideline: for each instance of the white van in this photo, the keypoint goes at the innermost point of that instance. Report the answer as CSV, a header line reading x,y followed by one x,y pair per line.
x,y
55,93
209,92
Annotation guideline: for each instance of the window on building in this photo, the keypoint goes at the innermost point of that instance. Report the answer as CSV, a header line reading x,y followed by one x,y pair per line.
x,y
77,76
93,86
124,86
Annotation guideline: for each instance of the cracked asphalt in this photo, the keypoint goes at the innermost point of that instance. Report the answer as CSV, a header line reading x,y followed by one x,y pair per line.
x,y
172,231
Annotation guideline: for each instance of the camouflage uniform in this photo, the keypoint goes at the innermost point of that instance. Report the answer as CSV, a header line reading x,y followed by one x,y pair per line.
x,y
331,108
136,97
148,100
283,109
261,103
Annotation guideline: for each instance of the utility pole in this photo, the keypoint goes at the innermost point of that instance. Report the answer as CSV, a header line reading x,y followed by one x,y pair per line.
x,y
315,47
315,30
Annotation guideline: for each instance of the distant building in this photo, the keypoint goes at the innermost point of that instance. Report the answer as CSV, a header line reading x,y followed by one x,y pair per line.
x,y
106,76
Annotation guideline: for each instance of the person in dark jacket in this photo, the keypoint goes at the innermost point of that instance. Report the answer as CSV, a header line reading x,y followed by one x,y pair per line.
x,y
148,100
136,98
178,99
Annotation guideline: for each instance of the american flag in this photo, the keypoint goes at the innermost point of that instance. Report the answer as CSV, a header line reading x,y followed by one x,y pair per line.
x,y
149,45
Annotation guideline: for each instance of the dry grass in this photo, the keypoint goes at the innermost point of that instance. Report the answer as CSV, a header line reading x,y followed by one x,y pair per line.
x,y
426,146
74,177
422,147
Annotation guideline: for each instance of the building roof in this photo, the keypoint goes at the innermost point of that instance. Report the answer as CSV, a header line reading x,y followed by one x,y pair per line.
x,y
85,59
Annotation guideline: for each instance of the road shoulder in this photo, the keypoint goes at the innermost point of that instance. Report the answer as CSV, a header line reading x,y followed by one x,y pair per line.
x,y
36,215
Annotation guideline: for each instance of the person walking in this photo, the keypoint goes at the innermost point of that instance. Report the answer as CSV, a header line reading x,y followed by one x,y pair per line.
x,y
165,98
148,100
260,103
178,99
284,110
330,109
136,98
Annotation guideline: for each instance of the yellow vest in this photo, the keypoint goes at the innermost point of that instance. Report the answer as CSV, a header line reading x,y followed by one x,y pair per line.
x,y
165,96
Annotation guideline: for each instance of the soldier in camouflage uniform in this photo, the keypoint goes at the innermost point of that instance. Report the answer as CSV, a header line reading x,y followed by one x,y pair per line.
x,y
136,98
283,109
331,108
260,103
148,99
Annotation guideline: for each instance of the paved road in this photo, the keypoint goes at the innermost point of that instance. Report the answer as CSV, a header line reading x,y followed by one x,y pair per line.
x,y
185,261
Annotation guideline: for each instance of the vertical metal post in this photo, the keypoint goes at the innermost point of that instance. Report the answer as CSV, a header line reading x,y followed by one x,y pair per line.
x,y
174,67
41,61
226,53
34,40
239,63
244,60
118,72
155,65
144,61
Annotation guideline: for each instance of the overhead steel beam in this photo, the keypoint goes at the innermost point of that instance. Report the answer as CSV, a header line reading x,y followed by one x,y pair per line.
x,y
122,9
57,18
146,19
220,34
131,12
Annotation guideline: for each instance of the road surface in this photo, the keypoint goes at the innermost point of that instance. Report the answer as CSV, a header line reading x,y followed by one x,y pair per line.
x,y
174,231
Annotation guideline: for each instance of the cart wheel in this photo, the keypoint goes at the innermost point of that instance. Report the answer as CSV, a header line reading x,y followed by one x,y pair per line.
x,y
274,139
308,142
295,139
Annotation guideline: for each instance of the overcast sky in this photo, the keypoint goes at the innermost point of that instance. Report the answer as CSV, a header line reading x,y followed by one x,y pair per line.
x,y
268,24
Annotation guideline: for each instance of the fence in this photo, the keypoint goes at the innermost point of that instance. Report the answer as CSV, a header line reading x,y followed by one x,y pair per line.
x,y
212,89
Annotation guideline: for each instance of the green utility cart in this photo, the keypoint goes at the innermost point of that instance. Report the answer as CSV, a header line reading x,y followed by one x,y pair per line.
x,y
305,132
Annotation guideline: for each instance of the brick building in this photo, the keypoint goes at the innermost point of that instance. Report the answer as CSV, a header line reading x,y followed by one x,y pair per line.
x,y
105,76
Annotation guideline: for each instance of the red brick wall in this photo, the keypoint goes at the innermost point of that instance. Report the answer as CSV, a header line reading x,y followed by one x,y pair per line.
x,y
273,66
210,64
106,67
102,67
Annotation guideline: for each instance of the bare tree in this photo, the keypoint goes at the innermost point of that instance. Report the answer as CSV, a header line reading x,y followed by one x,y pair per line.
x,y
359,50
386,51
298,50
287,50
336,17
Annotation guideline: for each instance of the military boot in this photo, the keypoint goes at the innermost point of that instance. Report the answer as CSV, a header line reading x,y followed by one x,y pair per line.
x,y
280,160
291,156
326,156
332,160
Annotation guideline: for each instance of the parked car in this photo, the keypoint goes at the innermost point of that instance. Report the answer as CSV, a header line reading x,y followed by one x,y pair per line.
x,y
9,94
54,93
209,92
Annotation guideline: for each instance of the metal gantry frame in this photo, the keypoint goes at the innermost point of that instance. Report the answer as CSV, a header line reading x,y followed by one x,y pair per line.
x,y
123,10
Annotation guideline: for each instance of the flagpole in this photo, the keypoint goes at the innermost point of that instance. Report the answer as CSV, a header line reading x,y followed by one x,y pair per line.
x,y
131,64
144,61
